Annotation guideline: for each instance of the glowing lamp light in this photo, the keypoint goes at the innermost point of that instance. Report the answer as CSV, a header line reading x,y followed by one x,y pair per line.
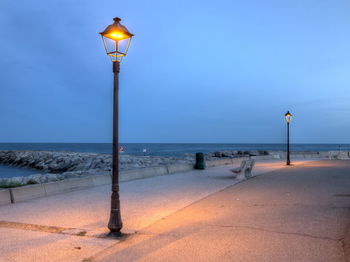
x,y
288,117
116,40
116,36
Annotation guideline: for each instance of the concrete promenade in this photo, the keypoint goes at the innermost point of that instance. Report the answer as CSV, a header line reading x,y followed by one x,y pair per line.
x,y
297,213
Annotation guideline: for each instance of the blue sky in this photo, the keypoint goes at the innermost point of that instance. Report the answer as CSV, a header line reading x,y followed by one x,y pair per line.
x,y
197,71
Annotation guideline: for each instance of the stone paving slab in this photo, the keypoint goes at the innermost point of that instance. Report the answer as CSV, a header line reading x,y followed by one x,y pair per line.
x,y
35,246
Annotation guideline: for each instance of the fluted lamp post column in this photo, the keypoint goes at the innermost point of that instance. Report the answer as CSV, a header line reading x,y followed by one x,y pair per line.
x,y
288,117
116,40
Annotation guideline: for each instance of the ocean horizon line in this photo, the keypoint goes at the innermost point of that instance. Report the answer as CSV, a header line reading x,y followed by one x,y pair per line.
x,y
199,143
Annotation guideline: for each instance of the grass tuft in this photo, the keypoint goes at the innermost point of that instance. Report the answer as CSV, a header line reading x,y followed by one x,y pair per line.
x,y
10,184
31,182
5,184
81,233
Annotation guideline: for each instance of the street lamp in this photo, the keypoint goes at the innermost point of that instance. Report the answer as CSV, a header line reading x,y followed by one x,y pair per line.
x,y
288,117
116,40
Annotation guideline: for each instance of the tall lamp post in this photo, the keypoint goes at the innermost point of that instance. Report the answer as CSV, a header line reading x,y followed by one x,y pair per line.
x,y
116,40
288,117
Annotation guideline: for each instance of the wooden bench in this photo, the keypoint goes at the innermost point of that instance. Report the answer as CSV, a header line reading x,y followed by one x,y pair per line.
x,y
245,169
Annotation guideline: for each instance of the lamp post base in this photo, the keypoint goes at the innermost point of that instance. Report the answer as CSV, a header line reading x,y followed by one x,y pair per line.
x,y
115,223
115,234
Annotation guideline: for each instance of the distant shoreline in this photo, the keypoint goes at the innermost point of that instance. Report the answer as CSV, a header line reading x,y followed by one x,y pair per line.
x,y
168,149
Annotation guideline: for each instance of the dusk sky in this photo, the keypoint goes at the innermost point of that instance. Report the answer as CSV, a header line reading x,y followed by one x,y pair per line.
x,y
197,71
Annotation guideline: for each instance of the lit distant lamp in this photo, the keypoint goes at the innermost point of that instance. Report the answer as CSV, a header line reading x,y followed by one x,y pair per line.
x,y
116,39
288,117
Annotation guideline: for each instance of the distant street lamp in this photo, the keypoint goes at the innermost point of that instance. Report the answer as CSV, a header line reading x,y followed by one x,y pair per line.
x,y
288,117
116,40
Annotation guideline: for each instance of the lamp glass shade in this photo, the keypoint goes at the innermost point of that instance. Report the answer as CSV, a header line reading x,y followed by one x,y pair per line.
x,y
288,117
116,40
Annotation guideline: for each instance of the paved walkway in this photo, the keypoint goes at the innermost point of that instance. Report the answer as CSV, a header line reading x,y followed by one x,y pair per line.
x,y
299,213
67,227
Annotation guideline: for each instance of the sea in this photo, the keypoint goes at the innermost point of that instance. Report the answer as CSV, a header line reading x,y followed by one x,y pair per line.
x,y
167,149
152,149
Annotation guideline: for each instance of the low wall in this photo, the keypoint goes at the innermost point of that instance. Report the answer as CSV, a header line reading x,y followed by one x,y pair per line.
x,y
142,173
267,157
179,168
5,197
219,162
41,190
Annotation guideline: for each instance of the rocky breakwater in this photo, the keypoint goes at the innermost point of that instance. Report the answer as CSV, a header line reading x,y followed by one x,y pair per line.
x,y
56,166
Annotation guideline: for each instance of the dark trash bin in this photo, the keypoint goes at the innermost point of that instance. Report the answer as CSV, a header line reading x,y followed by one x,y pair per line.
x,y
200,161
